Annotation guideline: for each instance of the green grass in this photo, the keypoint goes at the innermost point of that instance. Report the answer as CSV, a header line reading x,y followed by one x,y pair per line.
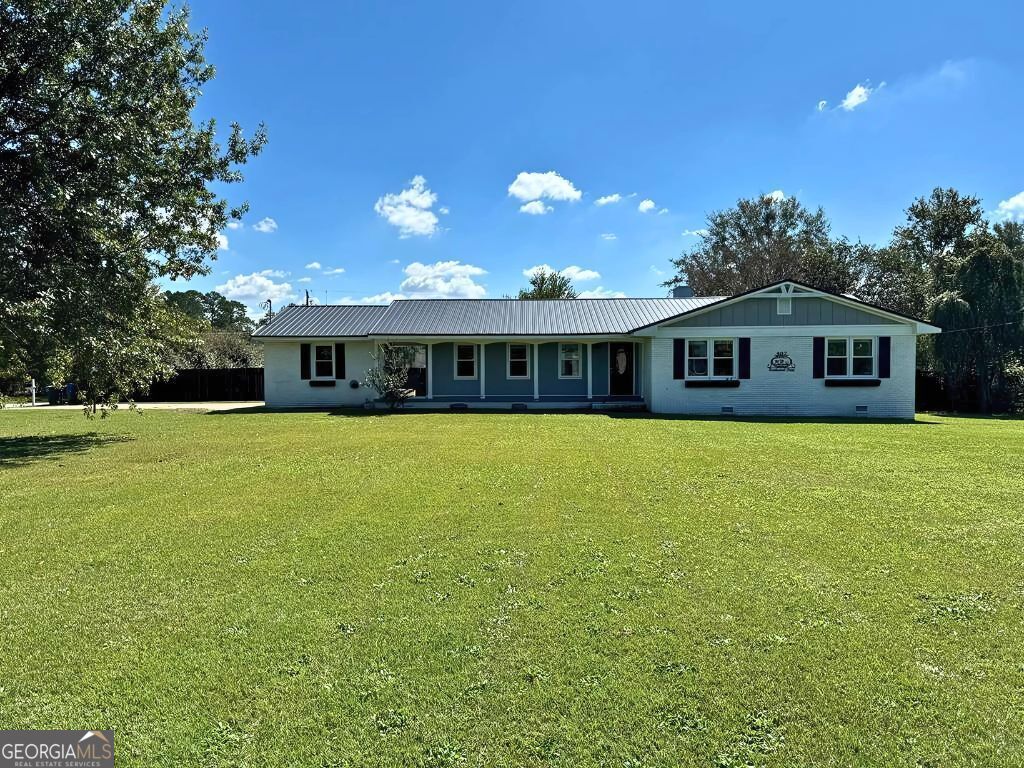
x,y
514,590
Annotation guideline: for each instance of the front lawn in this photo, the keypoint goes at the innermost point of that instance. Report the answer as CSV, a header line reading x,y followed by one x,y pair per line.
x,y
312,589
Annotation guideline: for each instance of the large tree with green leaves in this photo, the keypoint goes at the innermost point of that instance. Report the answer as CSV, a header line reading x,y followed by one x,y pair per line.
x,y
107,182
224,331
946,263
762,240
982,316
545,284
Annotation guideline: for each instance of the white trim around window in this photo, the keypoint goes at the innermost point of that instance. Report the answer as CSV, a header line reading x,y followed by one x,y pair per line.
x,y
323,362
851,357
711,358
517,361
570,361
465,354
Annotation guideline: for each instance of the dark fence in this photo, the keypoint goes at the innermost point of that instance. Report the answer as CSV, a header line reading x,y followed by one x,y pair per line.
x,y
195,384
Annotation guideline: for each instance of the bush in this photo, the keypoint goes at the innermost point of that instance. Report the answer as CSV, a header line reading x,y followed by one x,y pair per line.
x,y
390,376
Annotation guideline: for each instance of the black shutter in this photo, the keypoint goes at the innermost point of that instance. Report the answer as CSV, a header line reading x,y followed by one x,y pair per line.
x,y
304,361
678,358
745,358
884,357
819,357
339,361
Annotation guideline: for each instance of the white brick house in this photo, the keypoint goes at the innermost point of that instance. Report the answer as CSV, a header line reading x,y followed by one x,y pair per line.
x,y
785,349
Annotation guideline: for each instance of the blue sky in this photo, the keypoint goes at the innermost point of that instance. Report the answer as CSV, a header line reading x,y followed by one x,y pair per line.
x,y
442,149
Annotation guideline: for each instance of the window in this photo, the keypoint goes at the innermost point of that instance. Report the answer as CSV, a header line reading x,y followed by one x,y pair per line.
x,y
863,357
849,357
835,357
569,361
716,357
696,358
723,365
324,362
465,361
518,361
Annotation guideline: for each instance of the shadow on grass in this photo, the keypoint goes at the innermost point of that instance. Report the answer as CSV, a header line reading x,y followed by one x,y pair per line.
x,y
610,414
20,450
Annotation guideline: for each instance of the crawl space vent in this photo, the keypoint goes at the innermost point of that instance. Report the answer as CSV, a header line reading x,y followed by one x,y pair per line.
x,y
728,409
862,409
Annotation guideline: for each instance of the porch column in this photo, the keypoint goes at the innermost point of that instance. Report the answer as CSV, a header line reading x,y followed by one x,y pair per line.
x,y
536,372
590,370
430,370
483,370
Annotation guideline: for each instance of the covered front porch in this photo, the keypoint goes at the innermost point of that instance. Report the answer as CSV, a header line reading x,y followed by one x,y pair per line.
x,y
525,373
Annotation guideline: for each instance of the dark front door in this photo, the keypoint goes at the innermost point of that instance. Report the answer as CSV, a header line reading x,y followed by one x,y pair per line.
x,y
621,361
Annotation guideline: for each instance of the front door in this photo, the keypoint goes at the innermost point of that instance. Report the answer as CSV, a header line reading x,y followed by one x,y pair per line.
x,y
620,381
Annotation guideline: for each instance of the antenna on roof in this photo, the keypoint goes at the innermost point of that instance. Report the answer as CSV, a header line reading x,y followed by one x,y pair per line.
x,y
307,297
269,306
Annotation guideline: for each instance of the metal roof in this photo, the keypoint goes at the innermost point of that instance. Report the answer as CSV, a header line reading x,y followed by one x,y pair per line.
x,y
513,317
323,320
480,317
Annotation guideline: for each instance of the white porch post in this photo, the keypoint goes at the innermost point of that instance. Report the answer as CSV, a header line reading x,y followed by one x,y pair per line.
x,y
536,372
430,370
482,362
590,370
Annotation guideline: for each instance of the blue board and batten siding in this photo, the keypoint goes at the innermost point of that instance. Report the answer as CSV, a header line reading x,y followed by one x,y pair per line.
x,y
762,312
498,384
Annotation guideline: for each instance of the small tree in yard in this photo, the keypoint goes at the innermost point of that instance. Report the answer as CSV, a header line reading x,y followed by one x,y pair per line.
x,y
390,376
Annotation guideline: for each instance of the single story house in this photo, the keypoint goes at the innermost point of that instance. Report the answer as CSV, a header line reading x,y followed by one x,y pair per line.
x,y
787,349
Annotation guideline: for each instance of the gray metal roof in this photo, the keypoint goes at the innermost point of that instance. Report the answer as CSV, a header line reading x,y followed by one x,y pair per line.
x,y
323,320
511,317
480,317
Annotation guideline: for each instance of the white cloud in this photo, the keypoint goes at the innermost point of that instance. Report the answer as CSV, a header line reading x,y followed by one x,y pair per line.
x,y
336,271
608,199
379,298
550,185
222,241
256,287
694,232
313,265
602,293
443,210
776,196
444,279
646,205
235,225
305,280
409,210
574,273
821,105
273,273
608,236
535,208
663,211
656,271
1012,208
394,261
266,225
857,95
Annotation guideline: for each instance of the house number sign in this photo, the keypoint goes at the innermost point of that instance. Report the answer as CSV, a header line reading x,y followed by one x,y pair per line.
x,y
782,362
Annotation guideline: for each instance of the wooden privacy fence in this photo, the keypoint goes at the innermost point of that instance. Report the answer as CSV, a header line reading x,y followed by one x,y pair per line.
x,y
195,384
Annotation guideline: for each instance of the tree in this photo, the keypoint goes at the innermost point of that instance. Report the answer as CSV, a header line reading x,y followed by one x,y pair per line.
x,y
982,316
223,331
548,285
390,376
925,253
763,240
106,183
